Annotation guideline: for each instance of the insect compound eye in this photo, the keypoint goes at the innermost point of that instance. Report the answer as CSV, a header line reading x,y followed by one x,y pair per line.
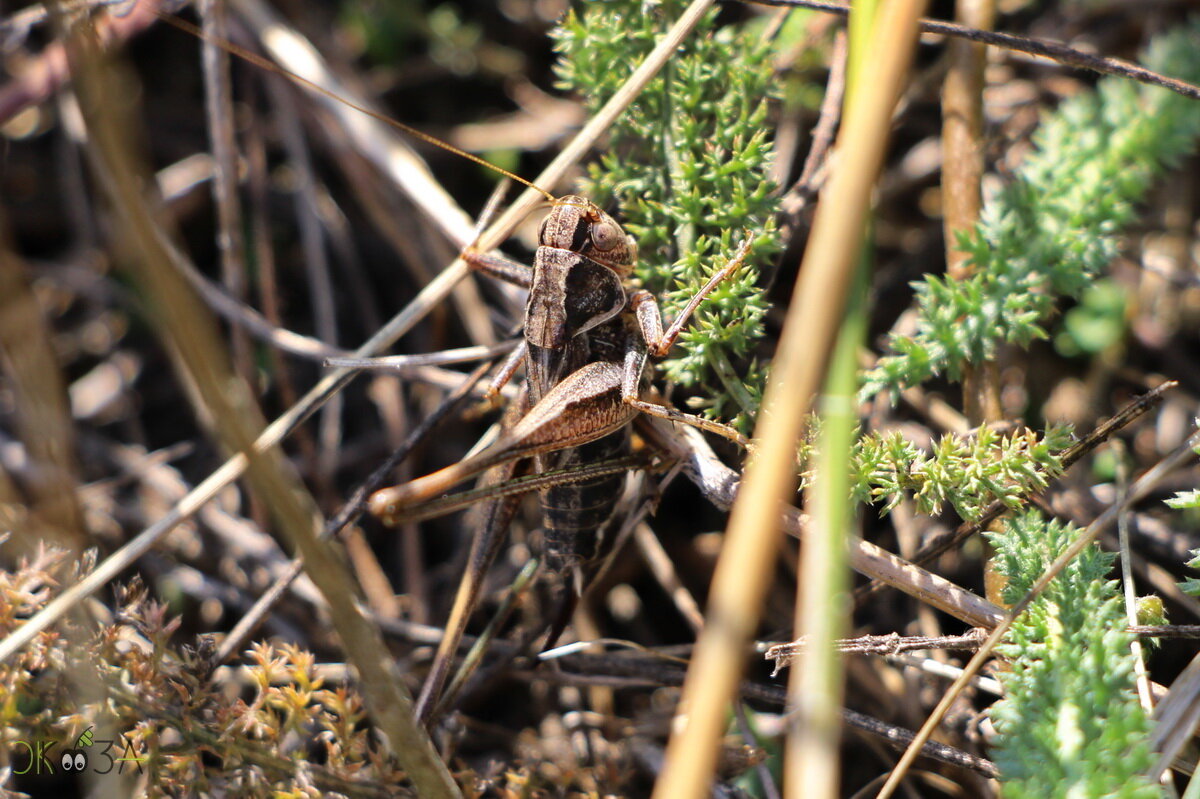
x,y
606,235
542,230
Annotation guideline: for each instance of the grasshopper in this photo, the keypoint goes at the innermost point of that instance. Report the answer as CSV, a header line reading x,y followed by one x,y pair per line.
x,y
587,339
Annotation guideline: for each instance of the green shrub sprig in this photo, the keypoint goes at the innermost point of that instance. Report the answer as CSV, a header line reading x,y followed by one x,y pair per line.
x,y
966,473
1053,228
1070,724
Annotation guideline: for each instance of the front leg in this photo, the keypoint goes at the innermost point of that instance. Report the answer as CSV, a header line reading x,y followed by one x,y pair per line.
x,y
499,267
649,317
506,371
658,343
631,381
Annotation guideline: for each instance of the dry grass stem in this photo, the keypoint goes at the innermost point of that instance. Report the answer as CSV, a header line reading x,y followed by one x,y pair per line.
x,y
751,537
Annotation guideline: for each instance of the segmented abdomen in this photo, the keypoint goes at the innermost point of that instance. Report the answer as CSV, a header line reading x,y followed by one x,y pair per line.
x,y
574,517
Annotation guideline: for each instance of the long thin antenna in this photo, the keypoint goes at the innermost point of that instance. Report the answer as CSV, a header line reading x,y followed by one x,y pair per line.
x,y
263,63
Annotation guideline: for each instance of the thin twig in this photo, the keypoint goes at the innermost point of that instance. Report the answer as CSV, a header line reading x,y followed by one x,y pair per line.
x,y
796,199
1055,51
1128,589
316,265
891,644
218,107
947,671
663,570
243,316
963,147
1166,631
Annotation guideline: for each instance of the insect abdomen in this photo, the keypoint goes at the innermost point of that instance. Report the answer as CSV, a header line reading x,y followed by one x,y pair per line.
x,y
575,516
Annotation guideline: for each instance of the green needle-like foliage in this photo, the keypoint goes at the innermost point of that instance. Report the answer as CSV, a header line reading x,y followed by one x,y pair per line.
x,y
1185,499
1189,501
687,166
1071,724
967,473
1053,229
1192,585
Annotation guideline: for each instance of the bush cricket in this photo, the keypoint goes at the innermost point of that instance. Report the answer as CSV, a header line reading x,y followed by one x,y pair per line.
x,y
586,341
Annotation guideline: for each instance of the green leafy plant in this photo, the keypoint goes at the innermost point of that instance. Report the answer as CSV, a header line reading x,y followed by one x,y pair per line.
x,y
686,165
966,473
1097,323
1070,724
1052,229
1192,586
